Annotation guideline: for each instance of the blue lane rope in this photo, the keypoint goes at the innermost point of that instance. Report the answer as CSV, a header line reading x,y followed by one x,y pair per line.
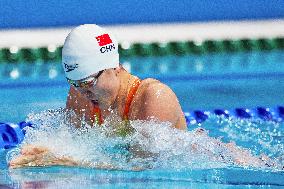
x,y
13,134
267,114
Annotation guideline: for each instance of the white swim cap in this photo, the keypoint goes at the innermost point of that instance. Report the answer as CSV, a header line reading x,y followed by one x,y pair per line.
x,y
87,50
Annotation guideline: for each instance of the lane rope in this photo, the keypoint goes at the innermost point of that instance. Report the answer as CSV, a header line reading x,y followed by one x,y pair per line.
x,y
12,134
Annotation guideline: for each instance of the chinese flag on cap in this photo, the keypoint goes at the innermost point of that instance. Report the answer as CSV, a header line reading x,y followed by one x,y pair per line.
x,y
103,40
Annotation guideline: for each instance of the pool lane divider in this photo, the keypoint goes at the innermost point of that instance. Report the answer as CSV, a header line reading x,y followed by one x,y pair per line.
x,y
179,48
12,134
266,114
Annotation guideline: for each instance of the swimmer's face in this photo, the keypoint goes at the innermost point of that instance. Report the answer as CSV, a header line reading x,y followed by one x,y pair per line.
x,y
85,83
104,90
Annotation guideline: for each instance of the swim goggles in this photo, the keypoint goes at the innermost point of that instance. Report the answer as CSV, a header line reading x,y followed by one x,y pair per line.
x,y
85,83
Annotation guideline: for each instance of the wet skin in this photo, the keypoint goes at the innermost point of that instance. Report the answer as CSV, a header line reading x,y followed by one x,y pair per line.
x,y
153,100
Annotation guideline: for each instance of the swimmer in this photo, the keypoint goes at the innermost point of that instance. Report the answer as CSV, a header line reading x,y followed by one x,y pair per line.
x,y
100,86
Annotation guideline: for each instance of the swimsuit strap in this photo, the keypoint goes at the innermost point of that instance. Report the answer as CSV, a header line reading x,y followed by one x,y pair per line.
x,y
96,111
130,96
97,115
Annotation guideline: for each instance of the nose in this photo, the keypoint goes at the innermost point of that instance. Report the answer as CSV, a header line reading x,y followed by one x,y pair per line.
x,y
81,90
84,91
87,93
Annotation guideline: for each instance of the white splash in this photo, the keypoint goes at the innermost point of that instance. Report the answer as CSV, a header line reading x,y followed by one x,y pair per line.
x,y
153,144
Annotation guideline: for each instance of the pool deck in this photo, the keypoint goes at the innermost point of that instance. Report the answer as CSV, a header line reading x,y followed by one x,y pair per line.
x,y
127,34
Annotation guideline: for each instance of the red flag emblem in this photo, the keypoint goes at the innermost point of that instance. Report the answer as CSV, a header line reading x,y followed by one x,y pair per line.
x,y
104,40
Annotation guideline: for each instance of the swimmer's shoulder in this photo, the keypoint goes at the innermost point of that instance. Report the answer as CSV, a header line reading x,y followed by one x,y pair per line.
x,y
158,99
152,87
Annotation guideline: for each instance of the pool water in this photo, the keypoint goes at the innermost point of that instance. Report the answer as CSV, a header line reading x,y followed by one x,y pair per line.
x,y
209,81
90,178
201,82
175,166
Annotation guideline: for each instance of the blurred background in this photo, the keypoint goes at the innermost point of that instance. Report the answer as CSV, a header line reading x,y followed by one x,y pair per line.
x,y
213,54
52,13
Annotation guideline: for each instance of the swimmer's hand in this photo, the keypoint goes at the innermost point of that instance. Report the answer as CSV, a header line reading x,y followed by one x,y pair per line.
x,y
38,156
32,156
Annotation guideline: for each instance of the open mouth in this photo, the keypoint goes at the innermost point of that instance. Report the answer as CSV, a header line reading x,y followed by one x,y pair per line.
x,y
95,101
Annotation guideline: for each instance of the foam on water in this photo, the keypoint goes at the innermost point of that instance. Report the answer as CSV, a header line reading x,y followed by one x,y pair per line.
x,y
261,137
153,144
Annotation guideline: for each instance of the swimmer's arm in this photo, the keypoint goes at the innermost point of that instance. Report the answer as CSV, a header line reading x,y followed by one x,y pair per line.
x,y
240,156
35,156
160,102
71,105
31,156
80,105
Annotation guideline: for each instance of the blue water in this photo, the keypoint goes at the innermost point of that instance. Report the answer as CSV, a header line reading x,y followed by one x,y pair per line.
x,y
200,82
19,14
87,178
168,173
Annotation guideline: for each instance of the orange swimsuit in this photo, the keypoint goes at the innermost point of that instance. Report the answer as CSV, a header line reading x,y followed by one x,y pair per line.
x,y
96,111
